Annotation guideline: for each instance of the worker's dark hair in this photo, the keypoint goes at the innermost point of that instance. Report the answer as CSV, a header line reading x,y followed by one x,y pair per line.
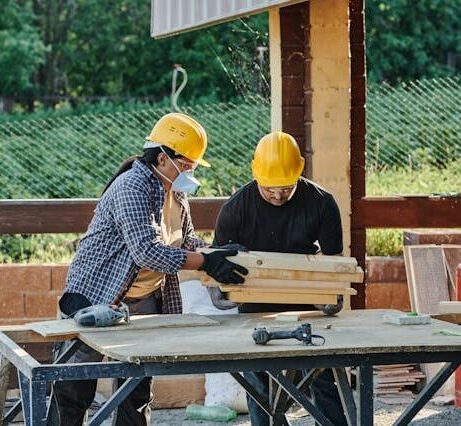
x,y
149,158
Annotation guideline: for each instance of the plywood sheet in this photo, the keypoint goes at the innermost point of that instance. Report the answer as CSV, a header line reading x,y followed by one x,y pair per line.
x,y
427,277
452,256
349,332
138,322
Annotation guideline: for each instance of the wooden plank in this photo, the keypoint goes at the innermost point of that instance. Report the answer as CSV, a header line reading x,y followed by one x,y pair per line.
x,y
286,287
407,212
254,296
410,275
452,257
280,284
268,277
450,307
295,262
290,274
453,318
137,322
291,315
427,277
429,285
74,214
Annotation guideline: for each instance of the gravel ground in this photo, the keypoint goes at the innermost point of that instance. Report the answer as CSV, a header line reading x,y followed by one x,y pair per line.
x,y
385,415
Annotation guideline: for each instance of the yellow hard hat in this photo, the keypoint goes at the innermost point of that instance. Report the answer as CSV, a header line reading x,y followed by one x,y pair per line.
x,y
183,135
277,160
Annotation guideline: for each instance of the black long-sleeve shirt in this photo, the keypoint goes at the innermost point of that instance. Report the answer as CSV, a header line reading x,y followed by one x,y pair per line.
x,y
309,222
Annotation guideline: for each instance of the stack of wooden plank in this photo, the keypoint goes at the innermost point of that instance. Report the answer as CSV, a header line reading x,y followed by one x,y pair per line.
x,y
394,384
291,278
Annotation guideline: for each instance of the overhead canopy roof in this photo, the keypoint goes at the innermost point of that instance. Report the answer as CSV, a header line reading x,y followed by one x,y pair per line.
x,y
170,17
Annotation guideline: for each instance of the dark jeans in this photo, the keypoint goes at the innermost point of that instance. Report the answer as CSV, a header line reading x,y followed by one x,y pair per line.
x,y
323,391
71,399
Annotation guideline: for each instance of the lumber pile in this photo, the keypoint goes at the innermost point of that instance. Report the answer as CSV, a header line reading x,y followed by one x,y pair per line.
x,y
394,384
291,278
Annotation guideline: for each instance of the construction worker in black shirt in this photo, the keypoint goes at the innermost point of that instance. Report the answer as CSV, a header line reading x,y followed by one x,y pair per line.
x,y
281,211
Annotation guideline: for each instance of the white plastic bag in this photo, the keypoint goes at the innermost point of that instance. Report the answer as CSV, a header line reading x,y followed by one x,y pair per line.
x,y
221,388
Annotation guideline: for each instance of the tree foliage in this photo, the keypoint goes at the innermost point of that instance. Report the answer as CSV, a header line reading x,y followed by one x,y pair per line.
x,y
74,48
103,48
409,39
21,48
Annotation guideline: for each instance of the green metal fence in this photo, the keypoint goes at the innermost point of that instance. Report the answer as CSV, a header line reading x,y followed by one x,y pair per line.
x,y
413,125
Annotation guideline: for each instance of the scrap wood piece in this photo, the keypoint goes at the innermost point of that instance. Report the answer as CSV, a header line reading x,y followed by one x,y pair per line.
x,y
294,261
452,257
427,277
453,318
293,315
450,307
137,322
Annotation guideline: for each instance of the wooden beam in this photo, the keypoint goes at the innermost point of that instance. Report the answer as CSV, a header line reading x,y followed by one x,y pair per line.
x,y
357,134
407,212
74,215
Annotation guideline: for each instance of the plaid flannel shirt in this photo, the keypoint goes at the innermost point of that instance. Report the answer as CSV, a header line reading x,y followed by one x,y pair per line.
x,y
124,236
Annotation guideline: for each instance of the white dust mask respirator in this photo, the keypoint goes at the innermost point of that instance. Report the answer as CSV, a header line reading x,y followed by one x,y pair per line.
x,y
184,182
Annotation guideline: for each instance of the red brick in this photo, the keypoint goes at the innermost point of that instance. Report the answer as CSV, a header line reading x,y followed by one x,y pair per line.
x,y
11,304
385,269
58,276
390,295
25,277
42,305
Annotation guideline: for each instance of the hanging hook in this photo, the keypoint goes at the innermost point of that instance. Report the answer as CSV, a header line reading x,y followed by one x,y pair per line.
x,y
176,92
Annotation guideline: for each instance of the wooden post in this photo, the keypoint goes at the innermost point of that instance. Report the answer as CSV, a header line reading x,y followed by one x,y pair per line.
x,y
458,371
357,135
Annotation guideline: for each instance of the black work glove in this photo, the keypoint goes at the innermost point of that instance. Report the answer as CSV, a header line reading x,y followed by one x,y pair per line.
x,y
331,309
230,246
222,270
219,299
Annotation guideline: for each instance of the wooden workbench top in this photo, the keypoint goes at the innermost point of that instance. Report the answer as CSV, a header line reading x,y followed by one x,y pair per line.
x,y
351,332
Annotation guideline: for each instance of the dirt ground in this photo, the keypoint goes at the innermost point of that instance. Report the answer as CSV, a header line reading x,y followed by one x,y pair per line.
x,y
385,415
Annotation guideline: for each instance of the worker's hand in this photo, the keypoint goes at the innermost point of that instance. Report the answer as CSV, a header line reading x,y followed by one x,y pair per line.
x,y
219,300
230,246
331,309
222,270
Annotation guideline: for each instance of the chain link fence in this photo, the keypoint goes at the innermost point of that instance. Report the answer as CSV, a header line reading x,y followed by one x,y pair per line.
x,y
73,156
414,125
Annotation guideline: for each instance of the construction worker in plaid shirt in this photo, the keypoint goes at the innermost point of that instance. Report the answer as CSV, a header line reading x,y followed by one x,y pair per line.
x,y
140,236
